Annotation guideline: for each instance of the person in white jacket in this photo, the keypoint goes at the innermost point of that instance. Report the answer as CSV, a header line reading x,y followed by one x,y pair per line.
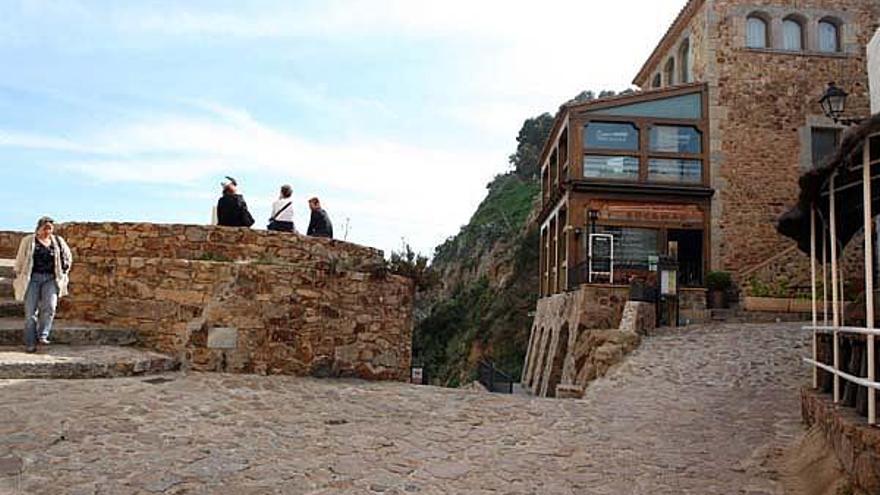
x,y
41,270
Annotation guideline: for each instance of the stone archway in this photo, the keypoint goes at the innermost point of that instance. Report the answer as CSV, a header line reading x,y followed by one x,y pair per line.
x,y
554,372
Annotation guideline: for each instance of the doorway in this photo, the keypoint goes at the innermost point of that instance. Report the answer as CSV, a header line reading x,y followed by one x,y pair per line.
x,y
689,247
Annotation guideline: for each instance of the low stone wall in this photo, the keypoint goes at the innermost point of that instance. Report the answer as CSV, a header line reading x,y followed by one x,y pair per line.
x,y
692,305
856,444
204,243
252,317
9,242
241,300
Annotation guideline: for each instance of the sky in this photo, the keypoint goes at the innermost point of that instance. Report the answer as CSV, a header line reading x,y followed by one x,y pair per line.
x,y
396,113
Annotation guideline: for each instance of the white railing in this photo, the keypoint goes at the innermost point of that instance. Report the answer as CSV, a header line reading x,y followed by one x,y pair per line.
x,y
836,328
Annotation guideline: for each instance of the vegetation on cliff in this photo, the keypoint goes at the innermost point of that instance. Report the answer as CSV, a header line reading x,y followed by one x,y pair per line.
x,y
487,275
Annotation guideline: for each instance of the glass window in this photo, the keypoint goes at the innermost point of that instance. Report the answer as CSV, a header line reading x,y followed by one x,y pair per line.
x,y
792,35
824,144
689,106
675,170
611,167
756,32
611,136
676,139
684,53
632,246
828,37
669,72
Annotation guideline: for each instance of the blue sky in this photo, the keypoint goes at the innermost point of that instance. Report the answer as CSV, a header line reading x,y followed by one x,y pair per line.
x,y
396,113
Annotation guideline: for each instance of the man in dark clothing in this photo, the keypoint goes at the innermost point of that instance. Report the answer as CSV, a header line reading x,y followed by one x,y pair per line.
x,y
232,211
319,225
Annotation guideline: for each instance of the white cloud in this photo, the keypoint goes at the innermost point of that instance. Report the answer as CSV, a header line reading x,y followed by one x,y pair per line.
x,y
412,191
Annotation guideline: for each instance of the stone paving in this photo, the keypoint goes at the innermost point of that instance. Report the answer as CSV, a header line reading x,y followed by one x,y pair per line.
x,y
701,411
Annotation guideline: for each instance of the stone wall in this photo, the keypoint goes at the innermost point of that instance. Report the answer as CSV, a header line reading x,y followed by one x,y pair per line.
x,y
576,338
856,445
9,242
763,105
874,71
239,300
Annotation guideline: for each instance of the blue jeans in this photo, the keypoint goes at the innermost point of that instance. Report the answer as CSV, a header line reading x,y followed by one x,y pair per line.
x,y
39,307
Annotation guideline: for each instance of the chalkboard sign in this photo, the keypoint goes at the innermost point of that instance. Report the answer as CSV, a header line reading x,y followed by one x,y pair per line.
x,y
601,254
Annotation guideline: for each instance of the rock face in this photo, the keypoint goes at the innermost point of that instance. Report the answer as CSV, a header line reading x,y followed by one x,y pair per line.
x,y
238,300
578,336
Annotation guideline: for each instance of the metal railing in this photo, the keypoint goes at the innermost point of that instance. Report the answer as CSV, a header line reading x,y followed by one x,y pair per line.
x,y
493,379
837,327
690,272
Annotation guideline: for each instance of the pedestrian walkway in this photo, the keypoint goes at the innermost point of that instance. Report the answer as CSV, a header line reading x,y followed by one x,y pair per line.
x,y
701,411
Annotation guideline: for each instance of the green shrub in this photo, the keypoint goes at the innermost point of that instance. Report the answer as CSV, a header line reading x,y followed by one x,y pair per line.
x,y
718,281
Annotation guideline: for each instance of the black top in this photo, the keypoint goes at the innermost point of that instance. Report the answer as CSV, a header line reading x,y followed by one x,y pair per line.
x,y
44,258
232,211
319,224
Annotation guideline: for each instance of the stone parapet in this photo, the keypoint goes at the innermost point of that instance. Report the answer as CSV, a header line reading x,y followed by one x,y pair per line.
x,y
253,317
855,444
9,242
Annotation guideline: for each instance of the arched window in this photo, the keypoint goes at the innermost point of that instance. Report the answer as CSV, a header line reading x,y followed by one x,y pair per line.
x,y
792,34
669,72
684,53
829,36
658,81
757,31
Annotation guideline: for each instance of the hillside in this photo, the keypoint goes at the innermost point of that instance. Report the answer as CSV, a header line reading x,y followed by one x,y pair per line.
x,y
488,274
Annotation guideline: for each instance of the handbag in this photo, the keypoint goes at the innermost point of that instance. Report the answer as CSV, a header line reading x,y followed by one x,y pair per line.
x,y
273,217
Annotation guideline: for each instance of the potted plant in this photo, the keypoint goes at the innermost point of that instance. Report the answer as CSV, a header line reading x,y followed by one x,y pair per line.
x,y
718,283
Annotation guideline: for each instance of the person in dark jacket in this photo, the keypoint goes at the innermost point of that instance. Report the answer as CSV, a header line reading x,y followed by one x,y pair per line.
x,y
319,225
232,211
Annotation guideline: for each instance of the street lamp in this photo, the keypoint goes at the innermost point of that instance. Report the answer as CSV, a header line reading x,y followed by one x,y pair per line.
x,y
833,104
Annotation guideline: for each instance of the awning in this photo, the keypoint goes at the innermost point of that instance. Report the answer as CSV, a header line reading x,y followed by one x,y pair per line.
x,y
846,164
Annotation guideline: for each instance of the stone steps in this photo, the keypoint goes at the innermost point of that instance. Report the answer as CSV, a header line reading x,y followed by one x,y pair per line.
x,y
78,362
6,268
10,308
69,333
6,291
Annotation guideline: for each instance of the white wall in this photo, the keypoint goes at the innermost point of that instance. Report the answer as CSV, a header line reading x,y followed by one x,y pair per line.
x,y
874,72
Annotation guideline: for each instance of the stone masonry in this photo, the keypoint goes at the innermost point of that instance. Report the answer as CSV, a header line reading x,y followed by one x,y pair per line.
x,y
228,299
762,107
578,336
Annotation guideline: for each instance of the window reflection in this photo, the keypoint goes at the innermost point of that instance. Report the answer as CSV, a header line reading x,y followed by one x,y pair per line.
x,y
675,170
611,167
675,139
611,136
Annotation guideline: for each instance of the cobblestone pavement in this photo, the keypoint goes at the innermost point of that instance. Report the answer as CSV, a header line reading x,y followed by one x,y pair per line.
x,y
698,412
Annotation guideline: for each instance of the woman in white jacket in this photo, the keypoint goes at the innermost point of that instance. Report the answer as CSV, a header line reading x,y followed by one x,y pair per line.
x,y
41,269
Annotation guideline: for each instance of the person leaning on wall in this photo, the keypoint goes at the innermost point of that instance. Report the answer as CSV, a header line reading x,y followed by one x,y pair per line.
x,y
41,278
232,211
282,212
319,224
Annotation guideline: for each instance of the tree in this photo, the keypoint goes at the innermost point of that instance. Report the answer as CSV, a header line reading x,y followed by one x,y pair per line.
x,y
530,142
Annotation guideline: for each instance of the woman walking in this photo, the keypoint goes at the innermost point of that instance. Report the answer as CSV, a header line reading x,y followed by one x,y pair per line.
x,y
282,212
41,269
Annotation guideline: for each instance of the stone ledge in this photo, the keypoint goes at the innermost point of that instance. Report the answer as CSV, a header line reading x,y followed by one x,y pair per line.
x,y
69,334
855,444
74,362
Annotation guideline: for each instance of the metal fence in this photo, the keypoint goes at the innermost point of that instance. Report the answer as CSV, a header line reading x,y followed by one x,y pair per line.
x,y
838,369
493,379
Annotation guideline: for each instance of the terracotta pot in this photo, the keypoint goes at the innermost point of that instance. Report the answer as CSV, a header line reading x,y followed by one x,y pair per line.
x,y
717,299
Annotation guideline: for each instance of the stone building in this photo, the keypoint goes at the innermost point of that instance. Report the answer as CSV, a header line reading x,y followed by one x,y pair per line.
x,y
695,168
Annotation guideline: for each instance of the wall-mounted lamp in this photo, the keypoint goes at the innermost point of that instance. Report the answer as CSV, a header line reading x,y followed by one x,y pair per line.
x,y
833,104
